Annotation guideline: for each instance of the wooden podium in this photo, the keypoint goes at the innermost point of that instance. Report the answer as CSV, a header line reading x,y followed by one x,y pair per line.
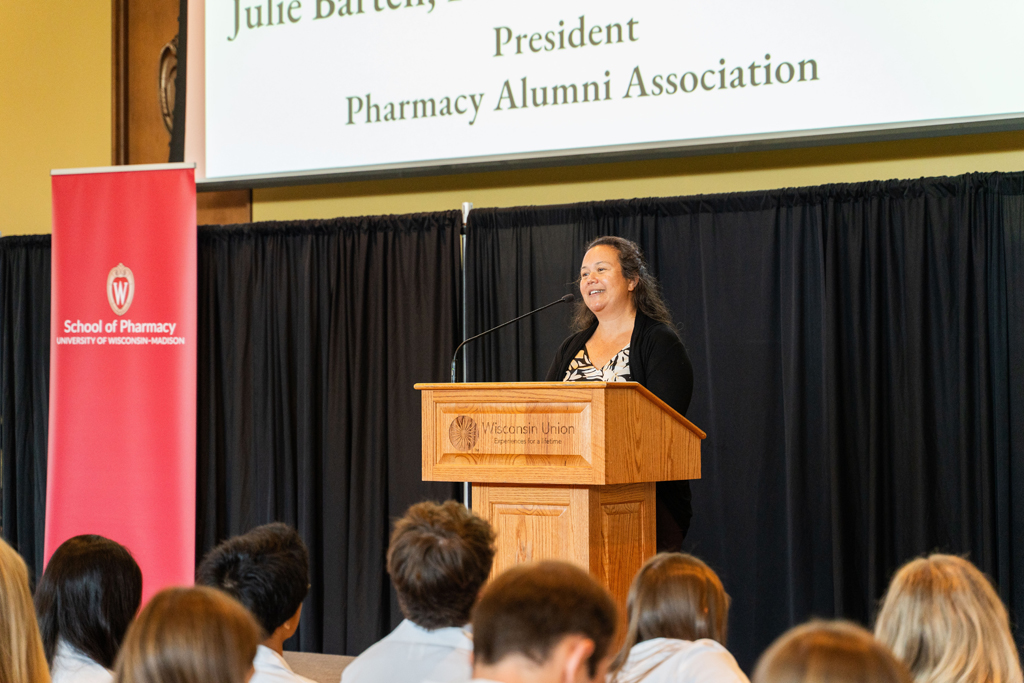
x,y
561,470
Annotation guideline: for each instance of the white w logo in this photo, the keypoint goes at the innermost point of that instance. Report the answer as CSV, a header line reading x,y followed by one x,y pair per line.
x,y
120,288
120,292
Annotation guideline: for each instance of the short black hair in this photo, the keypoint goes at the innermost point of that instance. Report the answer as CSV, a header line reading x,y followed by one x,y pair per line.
x,y
530,608
439,557
88,595
266,569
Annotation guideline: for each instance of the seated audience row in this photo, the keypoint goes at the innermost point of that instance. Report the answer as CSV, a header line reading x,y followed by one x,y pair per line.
x,y
85,607
941,617
441,555
940,620
92,588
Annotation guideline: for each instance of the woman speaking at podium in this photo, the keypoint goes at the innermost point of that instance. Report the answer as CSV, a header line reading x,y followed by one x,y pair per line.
x,y
624,333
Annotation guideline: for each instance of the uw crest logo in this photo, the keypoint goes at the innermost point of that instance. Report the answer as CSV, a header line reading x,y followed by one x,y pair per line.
x,y
463,433
120,288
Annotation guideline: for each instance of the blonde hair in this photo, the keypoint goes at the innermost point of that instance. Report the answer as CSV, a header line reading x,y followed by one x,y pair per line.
x,y
829,652
189,635
942,618
674,595
21,649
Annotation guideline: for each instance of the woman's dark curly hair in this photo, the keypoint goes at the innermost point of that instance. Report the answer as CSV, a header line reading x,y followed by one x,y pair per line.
x,y
646,294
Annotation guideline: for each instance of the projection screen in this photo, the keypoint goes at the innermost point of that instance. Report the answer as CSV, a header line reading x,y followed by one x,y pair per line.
x,y
281,89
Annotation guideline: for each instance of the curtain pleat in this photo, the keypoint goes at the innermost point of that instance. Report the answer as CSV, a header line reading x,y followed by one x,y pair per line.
x,y
24,391
312,336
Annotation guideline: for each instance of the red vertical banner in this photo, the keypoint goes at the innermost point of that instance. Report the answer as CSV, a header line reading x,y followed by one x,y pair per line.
x,y
122,424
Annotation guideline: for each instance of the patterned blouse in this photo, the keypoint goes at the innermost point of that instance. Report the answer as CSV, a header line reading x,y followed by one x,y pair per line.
x,y
581,369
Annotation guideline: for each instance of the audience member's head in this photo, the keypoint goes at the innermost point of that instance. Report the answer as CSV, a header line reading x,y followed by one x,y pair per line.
x,y
189,635
675,595
548,621
267,570
87,597
439,557
944,620
829,652
21,649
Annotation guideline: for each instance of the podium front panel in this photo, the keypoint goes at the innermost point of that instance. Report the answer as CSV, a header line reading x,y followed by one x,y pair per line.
x,y
576,433
525,435
607,530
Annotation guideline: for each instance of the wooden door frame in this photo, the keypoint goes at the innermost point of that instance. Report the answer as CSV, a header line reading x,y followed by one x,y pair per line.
x,y
119,83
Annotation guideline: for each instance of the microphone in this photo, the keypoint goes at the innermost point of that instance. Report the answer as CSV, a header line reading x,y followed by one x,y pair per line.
x,y
568,298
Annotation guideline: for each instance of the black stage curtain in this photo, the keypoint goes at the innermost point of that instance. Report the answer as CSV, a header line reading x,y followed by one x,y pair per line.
x,y
24,391
312,335
858,353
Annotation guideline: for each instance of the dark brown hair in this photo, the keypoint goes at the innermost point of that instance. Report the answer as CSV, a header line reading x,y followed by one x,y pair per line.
x,y
530,608
829,652
674,595
189,635
439,557
89,594
265,569
647,293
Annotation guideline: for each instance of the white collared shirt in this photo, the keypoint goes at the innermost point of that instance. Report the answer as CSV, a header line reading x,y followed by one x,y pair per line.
x,y
413,654
664,660
73,666
271,668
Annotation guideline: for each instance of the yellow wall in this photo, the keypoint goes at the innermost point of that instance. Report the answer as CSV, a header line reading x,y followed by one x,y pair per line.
x,y
663,178
54,101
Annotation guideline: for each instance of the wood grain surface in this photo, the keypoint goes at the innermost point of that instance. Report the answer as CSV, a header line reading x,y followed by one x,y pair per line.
x,y
582,433
607,530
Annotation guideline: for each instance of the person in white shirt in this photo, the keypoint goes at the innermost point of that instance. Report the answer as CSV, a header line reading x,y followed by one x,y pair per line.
x,y
439,557
267,570
548,622
678,615
85,601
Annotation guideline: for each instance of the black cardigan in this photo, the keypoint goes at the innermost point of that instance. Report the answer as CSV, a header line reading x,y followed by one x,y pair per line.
x,y
657,360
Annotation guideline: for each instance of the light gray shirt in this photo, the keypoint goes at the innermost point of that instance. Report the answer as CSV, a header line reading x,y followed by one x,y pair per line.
x,y
665,660
413,654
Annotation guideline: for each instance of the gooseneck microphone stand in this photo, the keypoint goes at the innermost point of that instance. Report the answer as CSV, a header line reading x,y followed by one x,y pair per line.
x,y
568,298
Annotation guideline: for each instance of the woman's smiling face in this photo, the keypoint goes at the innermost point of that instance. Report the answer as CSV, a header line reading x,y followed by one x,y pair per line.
x,y
602,285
